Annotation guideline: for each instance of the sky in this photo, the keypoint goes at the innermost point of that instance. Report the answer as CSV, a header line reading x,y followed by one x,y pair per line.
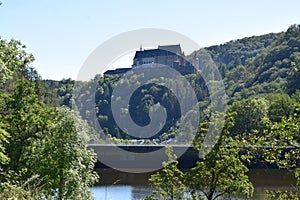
x,y
61,34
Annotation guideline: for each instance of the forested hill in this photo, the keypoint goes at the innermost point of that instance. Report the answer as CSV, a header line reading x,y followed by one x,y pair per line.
x,y
259,64
250,66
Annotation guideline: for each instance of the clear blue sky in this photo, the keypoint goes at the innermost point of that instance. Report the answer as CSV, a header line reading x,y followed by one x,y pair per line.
x,y
62,33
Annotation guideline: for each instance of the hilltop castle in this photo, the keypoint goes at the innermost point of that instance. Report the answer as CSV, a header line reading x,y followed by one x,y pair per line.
x,y
170,55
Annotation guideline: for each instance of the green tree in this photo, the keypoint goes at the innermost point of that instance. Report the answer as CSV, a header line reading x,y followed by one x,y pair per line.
x,y
43,150
13,58
62,159
281,105
221,172
249,115
283,140
25,120
44,142
168,183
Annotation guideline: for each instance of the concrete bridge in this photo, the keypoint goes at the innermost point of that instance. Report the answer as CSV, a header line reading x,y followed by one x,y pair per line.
x,y
141,158
147,158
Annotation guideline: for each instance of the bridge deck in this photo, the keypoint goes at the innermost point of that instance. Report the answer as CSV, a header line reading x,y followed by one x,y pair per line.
x,y
141,158
146,158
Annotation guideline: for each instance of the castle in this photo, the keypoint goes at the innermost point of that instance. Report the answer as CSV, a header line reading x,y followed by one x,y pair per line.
x,y
170,55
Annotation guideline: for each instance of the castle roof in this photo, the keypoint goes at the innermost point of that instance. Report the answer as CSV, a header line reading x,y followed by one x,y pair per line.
x,y
152,53
171,48
160,51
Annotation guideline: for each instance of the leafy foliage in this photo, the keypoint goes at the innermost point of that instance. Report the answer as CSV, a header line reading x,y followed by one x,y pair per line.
x,y
45,142
62,161
20,190
280,106
3,139
25,120
42,153
168,183
13,59
249,115
281,141
221,173
286,150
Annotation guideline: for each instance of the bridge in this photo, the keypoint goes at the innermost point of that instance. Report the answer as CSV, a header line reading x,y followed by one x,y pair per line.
x,y
141,158
146,158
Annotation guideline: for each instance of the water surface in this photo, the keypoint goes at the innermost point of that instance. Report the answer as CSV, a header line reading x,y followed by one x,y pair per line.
x,y
116,185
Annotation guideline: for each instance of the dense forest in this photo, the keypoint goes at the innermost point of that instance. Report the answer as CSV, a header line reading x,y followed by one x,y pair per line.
x,y
45,125
260,65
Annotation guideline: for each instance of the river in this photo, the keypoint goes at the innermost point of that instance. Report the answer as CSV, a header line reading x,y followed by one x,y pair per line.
x,y
116,185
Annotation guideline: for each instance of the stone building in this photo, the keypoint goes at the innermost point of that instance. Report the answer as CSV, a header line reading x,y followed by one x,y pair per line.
x,y
170,55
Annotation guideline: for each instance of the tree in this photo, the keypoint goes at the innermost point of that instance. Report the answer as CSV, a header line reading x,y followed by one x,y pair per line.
x,y
63,161
13,58
168,183
221,172
26,121
43,152
249,115
281,105
283,140
45,143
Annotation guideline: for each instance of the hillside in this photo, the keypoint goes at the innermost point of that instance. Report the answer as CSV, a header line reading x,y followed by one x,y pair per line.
x,y
257,66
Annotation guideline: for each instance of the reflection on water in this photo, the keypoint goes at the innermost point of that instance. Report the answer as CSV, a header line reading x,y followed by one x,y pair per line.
x,y
116,185
120,192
